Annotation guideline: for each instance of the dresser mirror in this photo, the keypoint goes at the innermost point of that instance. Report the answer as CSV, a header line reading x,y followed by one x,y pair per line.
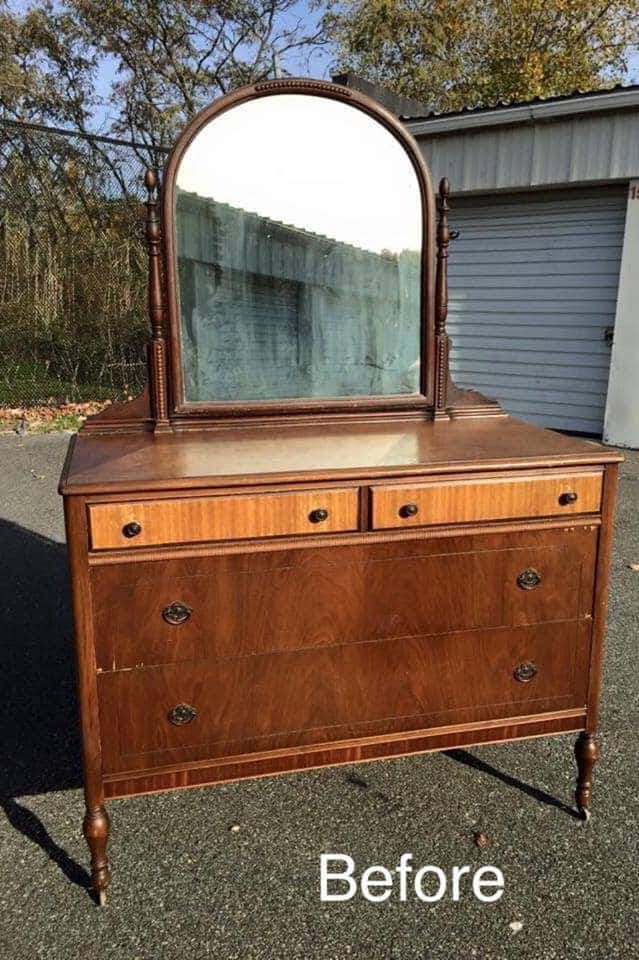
x,y
297,229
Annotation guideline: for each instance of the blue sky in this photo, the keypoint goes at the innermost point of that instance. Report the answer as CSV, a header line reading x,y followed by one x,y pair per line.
x,y
316,64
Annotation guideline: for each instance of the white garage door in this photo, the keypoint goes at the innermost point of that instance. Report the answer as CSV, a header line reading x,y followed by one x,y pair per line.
x,y
533,288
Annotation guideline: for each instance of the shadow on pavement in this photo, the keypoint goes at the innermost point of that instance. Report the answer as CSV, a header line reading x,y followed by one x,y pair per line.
x,y
468,760
39,727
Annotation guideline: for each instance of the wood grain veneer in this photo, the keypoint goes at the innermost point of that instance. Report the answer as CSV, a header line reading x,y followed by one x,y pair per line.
x,y
194,519
303,453
365,749
478,499
250,603
319,695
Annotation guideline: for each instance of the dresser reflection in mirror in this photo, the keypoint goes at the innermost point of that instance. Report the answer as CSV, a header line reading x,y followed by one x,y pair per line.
x,y
304,545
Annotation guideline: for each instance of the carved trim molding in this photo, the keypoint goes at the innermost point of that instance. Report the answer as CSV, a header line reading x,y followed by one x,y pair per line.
x,y
319,85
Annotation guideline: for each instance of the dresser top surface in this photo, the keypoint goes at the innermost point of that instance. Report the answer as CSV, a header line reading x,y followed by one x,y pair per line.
x,y
119,462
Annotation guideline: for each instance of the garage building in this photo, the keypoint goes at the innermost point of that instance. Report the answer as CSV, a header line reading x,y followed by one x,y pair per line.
x,y
544,278
544,287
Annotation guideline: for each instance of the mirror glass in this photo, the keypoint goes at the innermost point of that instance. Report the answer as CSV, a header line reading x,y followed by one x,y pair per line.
x,y
299,236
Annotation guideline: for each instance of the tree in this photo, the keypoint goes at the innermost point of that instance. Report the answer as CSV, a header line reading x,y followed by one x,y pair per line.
x,y
166,59
466,53
47,70
72,261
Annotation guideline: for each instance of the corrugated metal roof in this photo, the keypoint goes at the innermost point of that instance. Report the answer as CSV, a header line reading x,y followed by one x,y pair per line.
x,y
586,138
504,104
574,150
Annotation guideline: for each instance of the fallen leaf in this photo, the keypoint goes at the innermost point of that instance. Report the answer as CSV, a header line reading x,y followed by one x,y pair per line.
x,y
634,566
516,926
235,828
481,840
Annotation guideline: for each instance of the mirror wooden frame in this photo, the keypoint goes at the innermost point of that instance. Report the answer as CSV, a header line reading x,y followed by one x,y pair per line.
x,y
282,407
160,408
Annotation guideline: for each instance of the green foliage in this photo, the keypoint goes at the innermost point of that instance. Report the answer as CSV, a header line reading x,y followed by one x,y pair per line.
x,y
452,54
65,421
72,317
72,270
72,263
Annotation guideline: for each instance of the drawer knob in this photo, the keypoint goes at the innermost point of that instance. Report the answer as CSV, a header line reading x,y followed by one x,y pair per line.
x,y
409,510
566,498
132,529
525,671
177,612
318,516
182,713
529,579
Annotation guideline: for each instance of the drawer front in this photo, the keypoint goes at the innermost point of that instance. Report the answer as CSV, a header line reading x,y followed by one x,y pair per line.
x,y
145,523
162,612
202,710
476,500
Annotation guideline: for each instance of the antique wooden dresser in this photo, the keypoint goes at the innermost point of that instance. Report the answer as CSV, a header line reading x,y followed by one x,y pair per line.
x,y
304,545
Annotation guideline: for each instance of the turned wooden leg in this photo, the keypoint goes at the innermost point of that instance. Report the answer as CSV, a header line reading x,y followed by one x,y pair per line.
x,y
96,834
586,754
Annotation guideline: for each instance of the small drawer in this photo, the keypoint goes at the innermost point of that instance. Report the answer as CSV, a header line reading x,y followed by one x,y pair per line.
x,y
483,499
144,523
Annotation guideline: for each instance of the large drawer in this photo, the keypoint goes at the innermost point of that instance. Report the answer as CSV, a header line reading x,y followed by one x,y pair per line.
x,y
155,612
206,709
483,499
144,523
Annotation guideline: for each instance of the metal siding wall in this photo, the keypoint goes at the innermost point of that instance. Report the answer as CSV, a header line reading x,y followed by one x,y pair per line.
x,y
571,150
533,287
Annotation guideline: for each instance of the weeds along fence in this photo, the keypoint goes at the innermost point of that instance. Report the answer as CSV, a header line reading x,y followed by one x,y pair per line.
x,y
72,265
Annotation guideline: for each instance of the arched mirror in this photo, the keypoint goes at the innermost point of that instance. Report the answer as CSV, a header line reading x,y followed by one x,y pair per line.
x,y
298,251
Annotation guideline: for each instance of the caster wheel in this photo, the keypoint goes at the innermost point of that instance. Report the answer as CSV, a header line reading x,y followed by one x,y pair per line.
x,y
102,898
585,814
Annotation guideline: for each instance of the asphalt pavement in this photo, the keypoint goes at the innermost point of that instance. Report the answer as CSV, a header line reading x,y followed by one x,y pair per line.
x,y
233,871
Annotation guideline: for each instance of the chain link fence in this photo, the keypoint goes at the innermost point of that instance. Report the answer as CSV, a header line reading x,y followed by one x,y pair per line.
x,y
72,266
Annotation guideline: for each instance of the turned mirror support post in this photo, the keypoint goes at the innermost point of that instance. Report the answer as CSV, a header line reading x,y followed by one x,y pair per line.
x,y
156,354
442,344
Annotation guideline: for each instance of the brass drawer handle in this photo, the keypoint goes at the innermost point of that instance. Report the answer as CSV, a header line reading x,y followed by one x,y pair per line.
x,y
318,516
182,713
132,529
177,612
409,510
525,671
566,498
529,579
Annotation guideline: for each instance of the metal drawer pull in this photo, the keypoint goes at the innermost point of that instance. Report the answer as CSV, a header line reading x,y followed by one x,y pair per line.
x,y
317,516
132,529
566,498
529,579
525,672
177,612
409,510
182,713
